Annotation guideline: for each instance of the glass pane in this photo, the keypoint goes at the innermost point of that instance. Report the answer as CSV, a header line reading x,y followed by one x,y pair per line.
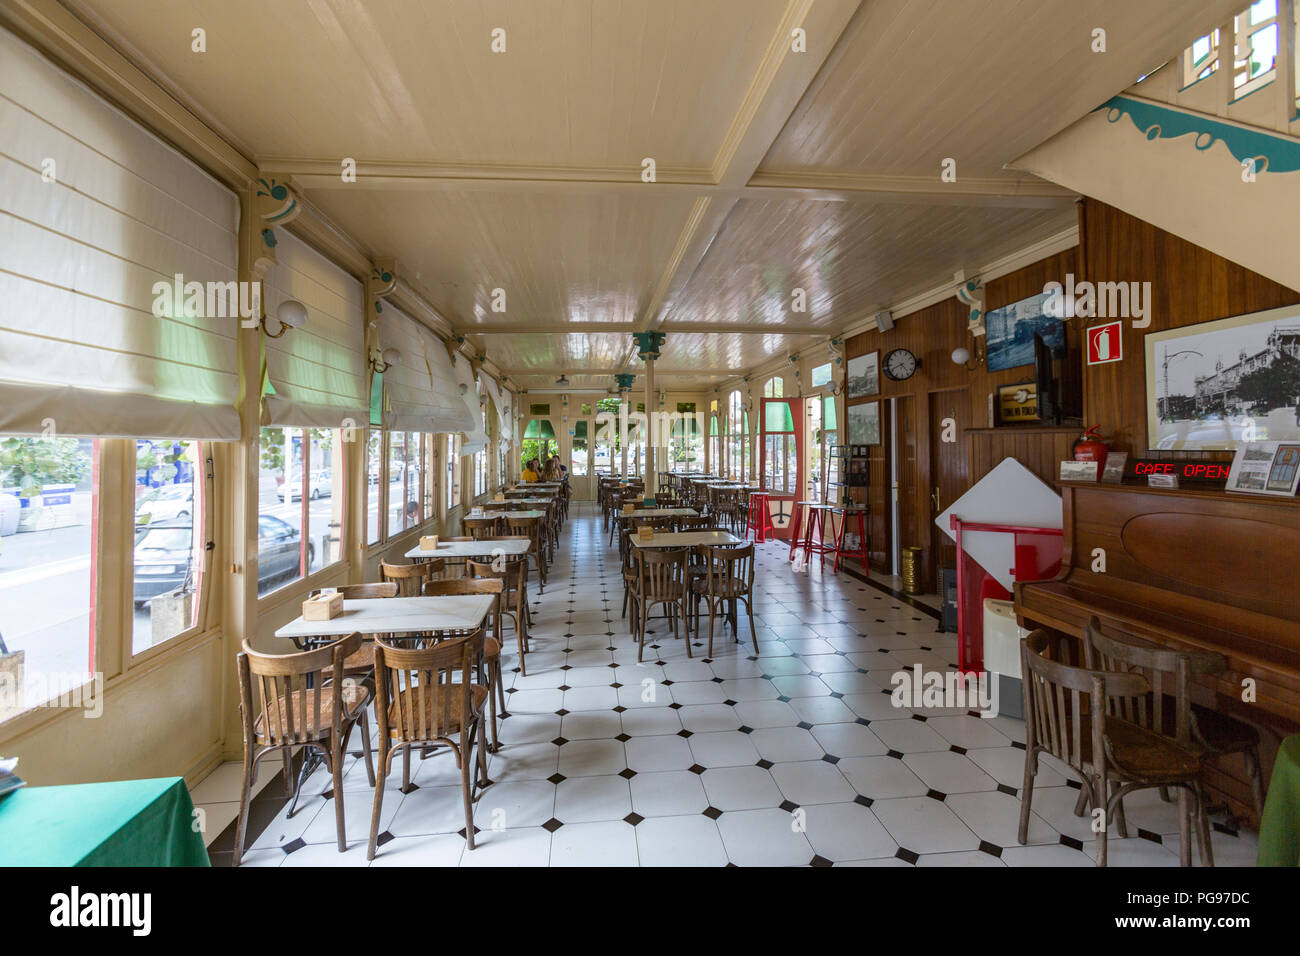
x,y
1262,10
821,375
325,496
828,412
428,465
282,553
396,480
49,497
579,458
167,558
374,443
777,417
1263,55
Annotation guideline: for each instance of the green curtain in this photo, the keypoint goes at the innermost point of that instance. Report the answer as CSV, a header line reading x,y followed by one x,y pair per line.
x,y
828,413
580,431
539,428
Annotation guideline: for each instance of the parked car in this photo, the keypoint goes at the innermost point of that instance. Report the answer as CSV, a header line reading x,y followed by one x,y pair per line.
x,y
321,485
165,503
165,549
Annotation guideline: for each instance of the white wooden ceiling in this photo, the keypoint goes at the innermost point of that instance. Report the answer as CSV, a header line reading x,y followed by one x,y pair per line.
x,y
775,169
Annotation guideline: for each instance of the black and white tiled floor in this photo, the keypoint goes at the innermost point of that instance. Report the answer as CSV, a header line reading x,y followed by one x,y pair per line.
x,y
790,757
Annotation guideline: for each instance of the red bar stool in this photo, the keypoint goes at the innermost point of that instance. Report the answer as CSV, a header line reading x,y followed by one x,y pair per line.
x,y
760,517
845,513
816,518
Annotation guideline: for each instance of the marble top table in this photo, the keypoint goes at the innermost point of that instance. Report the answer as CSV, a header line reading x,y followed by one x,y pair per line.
x,y
660,513
530,513
526,499
396,616
687,539
469,549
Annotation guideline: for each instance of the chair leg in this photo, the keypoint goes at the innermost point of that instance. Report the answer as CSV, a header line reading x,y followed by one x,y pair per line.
x,y
1121,821
364,722
494,685
1203,827
686,625
1027,796
1185,800
245,795
385,758
466,762
1081,804
711,608
336,771
753,631
1098,785
406,769
1256,773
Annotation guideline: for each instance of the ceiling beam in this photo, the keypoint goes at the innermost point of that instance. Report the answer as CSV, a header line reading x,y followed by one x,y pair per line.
x,y
626,328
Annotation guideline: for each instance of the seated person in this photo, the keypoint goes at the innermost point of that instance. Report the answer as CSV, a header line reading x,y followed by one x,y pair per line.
x,y
530,472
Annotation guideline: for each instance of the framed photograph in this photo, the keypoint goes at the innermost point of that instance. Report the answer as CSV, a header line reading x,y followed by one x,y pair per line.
x,y
864,375
1010,330
1218,385
1079,470
1113,473
864,423
1266,468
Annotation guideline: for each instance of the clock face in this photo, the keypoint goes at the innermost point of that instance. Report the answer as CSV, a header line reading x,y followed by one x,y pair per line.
x,y
900,364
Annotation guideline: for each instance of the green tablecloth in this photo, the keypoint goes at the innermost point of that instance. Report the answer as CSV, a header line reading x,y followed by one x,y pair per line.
x,y
119,823
1279,828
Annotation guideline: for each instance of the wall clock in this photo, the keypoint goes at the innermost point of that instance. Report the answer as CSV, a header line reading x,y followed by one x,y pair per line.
x,y
900,365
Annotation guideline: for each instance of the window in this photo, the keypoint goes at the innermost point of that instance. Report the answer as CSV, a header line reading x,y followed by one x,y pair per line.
x,y
821,375
539,442
773,387
501,461
300,486
780,448
453,470
578,456
1257,37
685,443
403,481
715,441
737,437
481,462
168,551
49,496
1201,58
373,483
429,474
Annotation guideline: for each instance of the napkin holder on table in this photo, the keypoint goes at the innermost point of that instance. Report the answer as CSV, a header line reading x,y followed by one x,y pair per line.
x,y
499,497
629,509
323,607
645,533
429,542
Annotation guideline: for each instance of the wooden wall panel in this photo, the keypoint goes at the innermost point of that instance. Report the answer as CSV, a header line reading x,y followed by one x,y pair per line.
x,y
1189,285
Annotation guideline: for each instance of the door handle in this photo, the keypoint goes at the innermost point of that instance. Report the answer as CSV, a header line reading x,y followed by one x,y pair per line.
x,y
934,499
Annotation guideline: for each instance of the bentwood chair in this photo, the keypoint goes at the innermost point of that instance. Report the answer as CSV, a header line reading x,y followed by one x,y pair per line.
x,y
1068,714
410,578
479,528
661,579
361,664
532,529
491,642
291,701
1170,673
512,571
728,578
427,697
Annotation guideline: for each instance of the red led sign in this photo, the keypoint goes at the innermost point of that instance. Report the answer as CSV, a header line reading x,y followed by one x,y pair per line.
x,y
1206,472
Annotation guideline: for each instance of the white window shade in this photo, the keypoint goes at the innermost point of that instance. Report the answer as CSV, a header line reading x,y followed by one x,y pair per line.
x,y
94,211
501,402
422,389
475,438
318,371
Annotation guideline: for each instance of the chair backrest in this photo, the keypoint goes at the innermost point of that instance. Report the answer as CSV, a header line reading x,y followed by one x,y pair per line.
x,y
511,569
693,522
409,577
658,522
661,572
1055,718
529,528
729,569
299,697
1168,671
479,528
456,586
357,592
426,693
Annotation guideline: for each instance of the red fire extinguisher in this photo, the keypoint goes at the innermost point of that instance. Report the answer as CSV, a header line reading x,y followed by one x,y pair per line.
x,y
1090,446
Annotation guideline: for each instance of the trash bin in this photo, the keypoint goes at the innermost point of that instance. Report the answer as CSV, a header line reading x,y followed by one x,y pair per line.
x,y
912,570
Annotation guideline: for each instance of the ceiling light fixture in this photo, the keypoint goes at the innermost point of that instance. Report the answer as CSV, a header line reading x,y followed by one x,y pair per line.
x,y
562,380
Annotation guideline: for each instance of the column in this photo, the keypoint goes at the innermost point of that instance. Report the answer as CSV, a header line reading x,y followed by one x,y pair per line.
x,y
648,345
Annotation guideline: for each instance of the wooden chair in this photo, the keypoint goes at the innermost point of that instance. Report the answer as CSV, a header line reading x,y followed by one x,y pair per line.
x,y
491,644
410,578
480,528
1068,715
728,578
661,579
512,571
301,700
361,664
532,529
1170,673
694,522
427,696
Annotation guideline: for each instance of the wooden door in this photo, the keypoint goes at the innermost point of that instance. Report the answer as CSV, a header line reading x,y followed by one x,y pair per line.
x,y
949,420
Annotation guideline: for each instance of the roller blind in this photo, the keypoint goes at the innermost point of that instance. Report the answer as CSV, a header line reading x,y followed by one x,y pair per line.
x,y
475,438
318,371
501,402
97,219
421,388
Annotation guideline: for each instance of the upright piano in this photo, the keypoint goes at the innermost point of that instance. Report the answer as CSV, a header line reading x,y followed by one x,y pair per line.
x,y
1187,569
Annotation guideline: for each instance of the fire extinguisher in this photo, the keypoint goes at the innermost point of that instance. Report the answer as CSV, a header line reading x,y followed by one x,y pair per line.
x,y
1090,446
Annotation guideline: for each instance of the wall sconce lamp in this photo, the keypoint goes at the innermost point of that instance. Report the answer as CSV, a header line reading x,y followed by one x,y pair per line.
x,y
963,356
383,361
291,314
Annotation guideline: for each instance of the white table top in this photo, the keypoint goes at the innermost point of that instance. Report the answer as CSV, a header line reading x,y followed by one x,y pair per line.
x,y
526,499
686,539
469,549
661,513
396,616
531,513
